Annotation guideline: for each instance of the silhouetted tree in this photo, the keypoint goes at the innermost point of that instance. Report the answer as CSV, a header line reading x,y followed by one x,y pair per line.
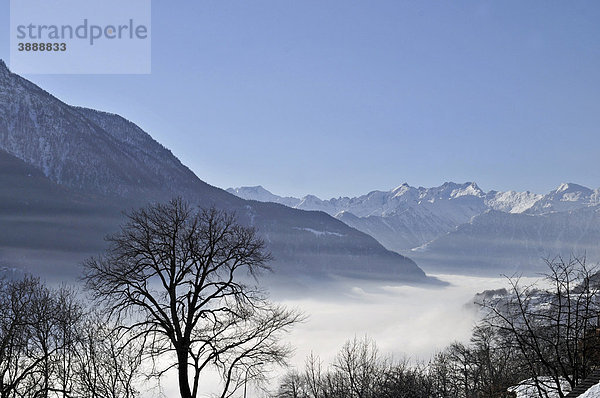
x,y
108,363
358,371
39,329
552,325
173,277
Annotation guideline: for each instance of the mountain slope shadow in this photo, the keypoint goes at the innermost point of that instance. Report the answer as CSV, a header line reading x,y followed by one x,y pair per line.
x,y
87,165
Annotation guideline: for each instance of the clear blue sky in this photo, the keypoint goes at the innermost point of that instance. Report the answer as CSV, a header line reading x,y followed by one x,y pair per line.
x,y
343,97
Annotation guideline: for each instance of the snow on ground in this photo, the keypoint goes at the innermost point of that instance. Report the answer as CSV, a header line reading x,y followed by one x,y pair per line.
x,y
593,392
320,233
527,388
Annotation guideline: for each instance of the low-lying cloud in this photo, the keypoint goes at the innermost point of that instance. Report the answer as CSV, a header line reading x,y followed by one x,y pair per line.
x,y
405,321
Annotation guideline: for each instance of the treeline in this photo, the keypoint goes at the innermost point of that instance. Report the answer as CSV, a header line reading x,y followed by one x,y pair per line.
x,y
480,369
52,345
543,336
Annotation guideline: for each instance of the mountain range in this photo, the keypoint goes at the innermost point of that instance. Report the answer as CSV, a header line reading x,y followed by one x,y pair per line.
x,y
459,227
67,173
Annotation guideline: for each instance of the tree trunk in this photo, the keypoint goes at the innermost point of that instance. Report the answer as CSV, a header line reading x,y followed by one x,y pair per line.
x,y
182,366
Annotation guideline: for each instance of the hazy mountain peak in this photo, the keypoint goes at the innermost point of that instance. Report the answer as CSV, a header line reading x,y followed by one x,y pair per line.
x,y
451,190
259,193
312,197
312,202
256,192
87,149
566,197
406,217
258,189
467,189
568,187
402,189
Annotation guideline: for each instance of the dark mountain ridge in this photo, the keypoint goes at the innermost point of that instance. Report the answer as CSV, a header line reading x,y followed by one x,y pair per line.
x,y
105,163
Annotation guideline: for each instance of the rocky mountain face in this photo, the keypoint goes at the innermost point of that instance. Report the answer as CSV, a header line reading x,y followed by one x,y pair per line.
x,y
107,164
458,227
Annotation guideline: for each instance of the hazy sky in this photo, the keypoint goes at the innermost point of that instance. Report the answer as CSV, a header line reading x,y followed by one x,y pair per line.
x,y
343,97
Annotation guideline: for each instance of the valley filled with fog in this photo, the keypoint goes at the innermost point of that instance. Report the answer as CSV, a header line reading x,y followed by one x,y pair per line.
x,y
352,185
407,322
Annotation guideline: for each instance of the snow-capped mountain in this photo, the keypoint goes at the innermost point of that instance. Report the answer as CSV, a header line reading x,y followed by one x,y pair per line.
x,y
260,194
406,217
511,201
458,202
564,198
102,158
466,197
459,226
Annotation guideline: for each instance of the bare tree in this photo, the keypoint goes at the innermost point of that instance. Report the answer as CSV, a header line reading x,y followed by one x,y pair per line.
x,y
15,303
28,338
360,366
484,368
314,375
173,277
293,385
70,320
38,329
553,326
107,363
358,371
